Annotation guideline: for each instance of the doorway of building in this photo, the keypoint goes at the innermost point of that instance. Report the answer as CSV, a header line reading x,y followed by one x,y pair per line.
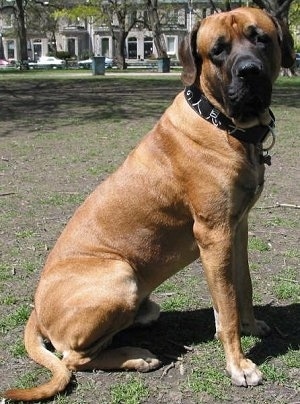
x,y
132,48
71,46
37,49
105,47
148,47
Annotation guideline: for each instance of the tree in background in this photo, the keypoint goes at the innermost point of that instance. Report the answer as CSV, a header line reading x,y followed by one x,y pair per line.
x,y
155,25
33,15
125,13
294,22
278,8
18,8
41,20
119,16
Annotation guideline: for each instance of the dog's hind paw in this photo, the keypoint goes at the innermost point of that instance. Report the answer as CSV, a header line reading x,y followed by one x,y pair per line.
x,y
148,364
140,359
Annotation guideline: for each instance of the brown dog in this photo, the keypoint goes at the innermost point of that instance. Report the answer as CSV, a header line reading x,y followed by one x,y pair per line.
x,y
185,190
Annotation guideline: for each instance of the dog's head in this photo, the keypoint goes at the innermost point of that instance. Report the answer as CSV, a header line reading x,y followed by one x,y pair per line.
x,y
234,58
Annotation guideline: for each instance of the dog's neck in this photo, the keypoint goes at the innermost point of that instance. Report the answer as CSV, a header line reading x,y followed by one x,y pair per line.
x,y
255,135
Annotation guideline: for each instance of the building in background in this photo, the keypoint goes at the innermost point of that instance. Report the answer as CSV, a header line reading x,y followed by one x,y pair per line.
x,y
84,37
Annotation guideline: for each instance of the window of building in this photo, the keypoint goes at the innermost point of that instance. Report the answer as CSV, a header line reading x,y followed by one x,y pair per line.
x,y
105,46
148,47
71,46
52,47
171,45
181,17
11,49
36,49
132,48
7,20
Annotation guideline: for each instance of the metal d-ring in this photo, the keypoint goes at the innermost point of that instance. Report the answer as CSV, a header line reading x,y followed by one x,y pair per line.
x,y
271,133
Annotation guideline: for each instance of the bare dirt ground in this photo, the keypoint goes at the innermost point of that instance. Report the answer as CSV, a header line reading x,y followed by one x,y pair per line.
x,y
58,138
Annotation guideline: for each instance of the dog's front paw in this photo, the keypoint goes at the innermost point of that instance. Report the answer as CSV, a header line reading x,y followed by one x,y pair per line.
x,y
246,374
257,328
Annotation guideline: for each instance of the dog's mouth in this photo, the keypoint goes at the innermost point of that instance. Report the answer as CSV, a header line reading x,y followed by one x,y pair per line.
x,y
246,104
249,93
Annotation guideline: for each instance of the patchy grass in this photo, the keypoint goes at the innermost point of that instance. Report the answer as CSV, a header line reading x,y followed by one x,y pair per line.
x,y
287,285
257,244
63,134
15,319
132,391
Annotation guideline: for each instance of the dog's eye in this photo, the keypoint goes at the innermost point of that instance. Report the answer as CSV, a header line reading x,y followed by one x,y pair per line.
x,y
257,36
219,51
263,39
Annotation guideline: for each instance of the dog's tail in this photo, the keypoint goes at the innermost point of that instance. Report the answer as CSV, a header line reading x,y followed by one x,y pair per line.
x,y
35,347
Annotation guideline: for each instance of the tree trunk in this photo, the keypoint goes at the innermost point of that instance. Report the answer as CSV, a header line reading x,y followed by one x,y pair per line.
x,y
22,34
120,49
158,38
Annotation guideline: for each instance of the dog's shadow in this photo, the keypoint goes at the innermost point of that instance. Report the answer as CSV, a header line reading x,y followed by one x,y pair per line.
x,y
174,331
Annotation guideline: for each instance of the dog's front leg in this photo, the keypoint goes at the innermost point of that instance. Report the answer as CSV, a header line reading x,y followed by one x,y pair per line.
x,y
216,248
243,284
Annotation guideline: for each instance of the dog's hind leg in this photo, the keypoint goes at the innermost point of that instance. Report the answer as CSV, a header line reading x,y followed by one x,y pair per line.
x,y
148,312
126,358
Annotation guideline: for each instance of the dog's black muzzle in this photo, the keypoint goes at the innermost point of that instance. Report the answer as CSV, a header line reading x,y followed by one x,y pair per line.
x,y
249,92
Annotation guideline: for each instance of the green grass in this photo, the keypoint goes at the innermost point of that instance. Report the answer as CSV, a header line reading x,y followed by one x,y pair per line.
x,y
248,342
292,253
292,358
9,300
287,82
176,303
211,379
5,272
278,221
287,285
31,379
17,349
274,373
30,266
258,244
24,234
61,199
17,318
132,391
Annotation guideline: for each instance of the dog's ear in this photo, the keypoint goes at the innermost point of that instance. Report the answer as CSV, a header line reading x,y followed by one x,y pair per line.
x,y
288,55
286,42
189,58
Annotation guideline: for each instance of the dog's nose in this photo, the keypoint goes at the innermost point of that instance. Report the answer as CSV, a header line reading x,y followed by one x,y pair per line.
x,y
249,69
